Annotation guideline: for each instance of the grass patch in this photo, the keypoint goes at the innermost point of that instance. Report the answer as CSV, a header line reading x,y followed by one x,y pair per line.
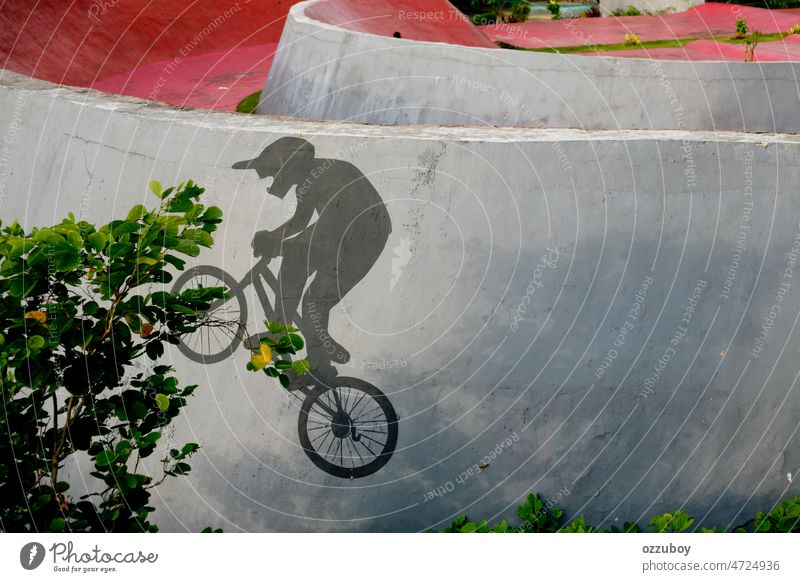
x,y
249,103
621,46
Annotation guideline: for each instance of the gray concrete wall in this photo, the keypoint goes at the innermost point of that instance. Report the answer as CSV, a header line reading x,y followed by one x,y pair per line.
x,y
614,312
322,72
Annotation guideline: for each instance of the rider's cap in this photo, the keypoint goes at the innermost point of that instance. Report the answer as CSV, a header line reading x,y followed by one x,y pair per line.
x,y
279,151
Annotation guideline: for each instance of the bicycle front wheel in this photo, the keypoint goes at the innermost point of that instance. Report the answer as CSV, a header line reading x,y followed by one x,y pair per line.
x,y
224,323
348,429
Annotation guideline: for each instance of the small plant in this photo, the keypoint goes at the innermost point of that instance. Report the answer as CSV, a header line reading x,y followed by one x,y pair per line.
x,y
632,39
538,515
741,27
578,525
284,340
794,30
554,8
672,522
751,41
249,104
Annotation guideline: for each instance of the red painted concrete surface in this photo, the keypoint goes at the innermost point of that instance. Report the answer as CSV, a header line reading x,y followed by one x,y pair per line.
x,y
704,20
196,53
179,52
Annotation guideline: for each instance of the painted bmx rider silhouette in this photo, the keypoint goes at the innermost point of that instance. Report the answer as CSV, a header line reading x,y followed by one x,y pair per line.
x,y
337,233
346,426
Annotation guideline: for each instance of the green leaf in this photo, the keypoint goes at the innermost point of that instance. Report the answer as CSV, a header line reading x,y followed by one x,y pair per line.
x,y
58,524
124,228
285,381
189,448
98,240
275,327
156,188
175,262
22,287
300,367
151,438
36,342
188,247
283,364
297,341
201,237
180,205
162,400
137,212
105,458
212,213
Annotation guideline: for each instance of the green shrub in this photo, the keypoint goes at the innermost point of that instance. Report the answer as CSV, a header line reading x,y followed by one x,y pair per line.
x,y
540,516
741,27
554,8
672,522
629,11
783,518
79,305
490,11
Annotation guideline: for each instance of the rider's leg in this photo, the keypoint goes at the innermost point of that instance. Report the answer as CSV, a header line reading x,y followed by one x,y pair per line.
x,y
334,279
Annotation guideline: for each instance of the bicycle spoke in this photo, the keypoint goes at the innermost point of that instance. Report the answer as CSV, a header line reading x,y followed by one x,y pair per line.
x,y
355,406
377,416
355,448
330,445
373,440
323,436
364,410
363,430
366,446
320,414
349,455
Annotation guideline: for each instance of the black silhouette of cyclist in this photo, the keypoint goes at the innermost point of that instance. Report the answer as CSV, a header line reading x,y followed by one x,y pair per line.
x,y
335,251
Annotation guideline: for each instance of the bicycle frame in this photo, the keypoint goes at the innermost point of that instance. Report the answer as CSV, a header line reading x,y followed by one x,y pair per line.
x,y
260,277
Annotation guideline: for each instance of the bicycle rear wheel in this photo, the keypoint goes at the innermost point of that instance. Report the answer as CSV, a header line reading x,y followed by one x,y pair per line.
x,y
348,429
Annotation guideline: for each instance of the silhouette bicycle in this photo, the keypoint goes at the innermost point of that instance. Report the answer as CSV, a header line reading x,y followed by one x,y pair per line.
x,y
347,427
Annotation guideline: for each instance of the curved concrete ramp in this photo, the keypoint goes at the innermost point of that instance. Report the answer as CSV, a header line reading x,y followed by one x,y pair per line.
x,y
379,79
429,20
606,317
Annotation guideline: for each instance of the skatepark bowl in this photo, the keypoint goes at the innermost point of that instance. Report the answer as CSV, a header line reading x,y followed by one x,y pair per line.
x,y
578,273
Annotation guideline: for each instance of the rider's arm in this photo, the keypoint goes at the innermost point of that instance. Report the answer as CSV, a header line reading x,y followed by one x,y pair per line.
x,y
298,222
